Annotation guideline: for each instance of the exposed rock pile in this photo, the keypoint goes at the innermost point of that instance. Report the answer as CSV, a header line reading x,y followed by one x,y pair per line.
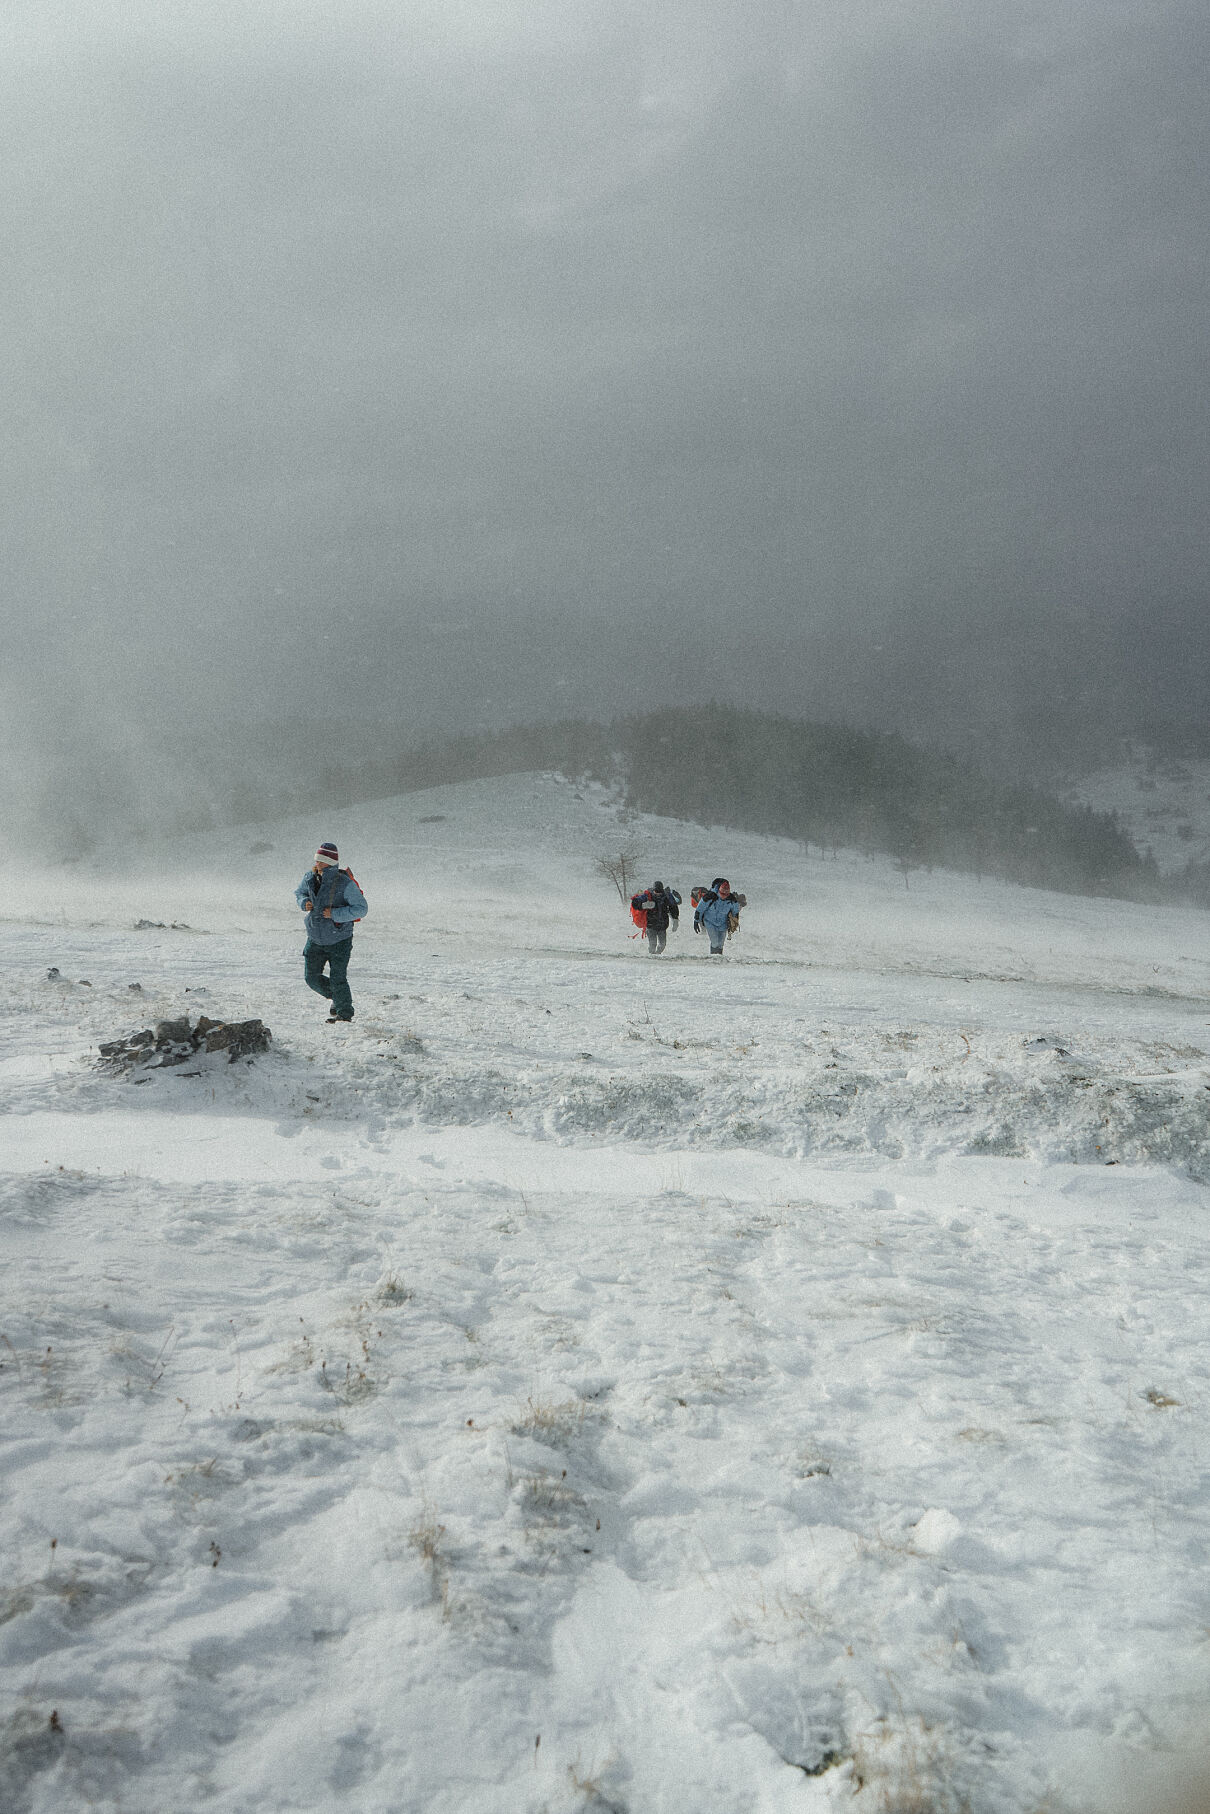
x,y
173,1042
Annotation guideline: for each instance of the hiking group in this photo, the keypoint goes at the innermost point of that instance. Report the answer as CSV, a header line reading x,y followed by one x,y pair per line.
x,y
333,902
716,912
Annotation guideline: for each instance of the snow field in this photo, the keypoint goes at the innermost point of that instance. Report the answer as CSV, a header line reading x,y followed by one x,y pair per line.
x,y
1164,804
600,1382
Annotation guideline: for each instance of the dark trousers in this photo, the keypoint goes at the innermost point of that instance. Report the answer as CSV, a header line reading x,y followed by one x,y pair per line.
x,y
657,938
335,958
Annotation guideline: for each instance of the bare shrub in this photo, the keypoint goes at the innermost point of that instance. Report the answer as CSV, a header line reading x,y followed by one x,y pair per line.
x,y
621,868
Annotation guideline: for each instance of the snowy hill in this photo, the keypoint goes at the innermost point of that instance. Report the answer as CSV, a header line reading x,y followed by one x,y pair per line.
x,y
1163,802
593,1381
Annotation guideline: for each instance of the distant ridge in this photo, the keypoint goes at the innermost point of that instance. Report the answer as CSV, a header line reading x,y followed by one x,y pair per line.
x,y
821,783
824,784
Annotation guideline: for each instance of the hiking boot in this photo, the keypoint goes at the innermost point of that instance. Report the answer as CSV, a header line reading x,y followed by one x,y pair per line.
x,y
338,1020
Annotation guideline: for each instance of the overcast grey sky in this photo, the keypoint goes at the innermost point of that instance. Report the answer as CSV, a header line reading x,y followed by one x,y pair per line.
x,y
381,353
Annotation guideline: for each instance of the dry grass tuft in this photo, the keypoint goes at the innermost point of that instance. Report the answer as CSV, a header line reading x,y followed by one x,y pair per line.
x,y
425,1537
592,1786
393,1293
553,1424
902,1766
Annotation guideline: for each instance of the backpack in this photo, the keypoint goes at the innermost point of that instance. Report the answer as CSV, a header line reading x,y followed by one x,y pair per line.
x,y
352,878
638,914
361,890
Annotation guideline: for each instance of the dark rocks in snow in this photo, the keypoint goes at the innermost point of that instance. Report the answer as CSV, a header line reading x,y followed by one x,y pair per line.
x,y
159,926
168,1032
238,1038
174,1042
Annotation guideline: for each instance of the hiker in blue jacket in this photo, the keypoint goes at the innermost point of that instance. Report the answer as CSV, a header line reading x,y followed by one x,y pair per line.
x,y
332,902
714,908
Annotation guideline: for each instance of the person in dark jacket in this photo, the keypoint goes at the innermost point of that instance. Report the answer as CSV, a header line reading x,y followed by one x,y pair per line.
x,y
662,907
717,909
332,901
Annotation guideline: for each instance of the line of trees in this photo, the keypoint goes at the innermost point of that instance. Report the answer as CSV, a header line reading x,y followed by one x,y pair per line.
x,y
826,785
832,785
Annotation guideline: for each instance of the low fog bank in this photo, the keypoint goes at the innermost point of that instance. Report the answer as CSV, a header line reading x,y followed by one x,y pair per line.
x,y
104,751
821,784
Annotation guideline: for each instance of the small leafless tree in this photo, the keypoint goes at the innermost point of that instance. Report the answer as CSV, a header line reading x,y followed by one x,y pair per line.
x,y
621,868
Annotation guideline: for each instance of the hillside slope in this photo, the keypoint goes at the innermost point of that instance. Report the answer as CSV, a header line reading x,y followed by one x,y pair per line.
x,y
591,1380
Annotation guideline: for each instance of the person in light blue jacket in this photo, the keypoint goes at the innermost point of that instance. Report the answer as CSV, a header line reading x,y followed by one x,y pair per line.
x,y
717,909
333,903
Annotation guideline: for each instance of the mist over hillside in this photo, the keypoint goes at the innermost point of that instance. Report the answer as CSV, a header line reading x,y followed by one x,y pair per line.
x,y
386,374
1038,692
824,784
1036,697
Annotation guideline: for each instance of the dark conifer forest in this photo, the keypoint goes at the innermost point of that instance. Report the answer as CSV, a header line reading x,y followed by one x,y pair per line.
x,y
827,785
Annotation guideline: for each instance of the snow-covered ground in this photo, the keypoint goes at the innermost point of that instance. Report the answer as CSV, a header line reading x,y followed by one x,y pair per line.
x,y
1162,801
593,1381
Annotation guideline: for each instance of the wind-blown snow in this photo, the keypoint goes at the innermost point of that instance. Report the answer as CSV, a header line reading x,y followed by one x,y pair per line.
x,y
1163,802
598,1382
